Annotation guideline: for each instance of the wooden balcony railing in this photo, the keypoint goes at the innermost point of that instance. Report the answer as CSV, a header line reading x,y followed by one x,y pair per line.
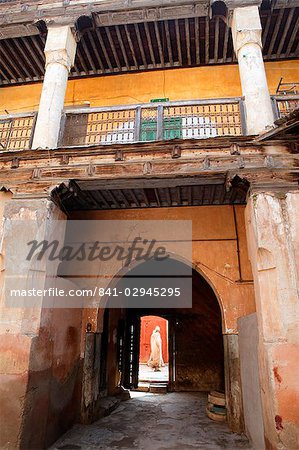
x,y
284,104
140,123
152,122
16,131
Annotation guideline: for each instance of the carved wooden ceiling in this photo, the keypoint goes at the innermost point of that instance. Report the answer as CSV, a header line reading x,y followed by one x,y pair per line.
x,y
148,45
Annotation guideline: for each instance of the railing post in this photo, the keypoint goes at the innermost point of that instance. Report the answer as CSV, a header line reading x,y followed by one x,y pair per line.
x,y
242,117
137,127
160,128
275,108
32,131
61,130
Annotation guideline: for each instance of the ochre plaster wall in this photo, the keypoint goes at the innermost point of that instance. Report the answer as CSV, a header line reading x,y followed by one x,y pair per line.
x,y
175,84
215,251
39,348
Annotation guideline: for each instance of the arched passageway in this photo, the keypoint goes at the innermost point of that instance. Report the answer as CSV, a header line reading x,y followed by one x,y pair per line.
x,y
195,341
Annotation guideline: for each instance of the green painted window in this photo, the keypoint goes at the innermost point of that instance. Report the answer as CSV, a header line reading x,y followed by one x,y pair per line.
x,y
172,129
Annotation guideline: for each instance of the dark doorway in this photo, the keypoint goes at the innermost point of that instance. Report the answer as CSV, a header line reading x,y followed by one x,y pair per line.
x,y
195,342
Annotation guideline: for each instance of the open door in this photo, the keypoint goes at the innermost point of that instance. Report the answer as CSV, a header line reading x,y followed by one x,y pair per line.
x,y
172,354
131,357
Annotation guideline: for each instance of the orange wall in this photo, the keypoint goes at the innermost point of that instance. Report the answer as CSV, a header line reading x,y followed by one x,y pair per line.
x,y
175,84
148,324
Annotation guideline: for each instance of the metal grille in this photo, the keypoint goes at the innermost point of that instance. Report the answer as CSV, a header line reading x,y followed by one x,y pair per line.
x,y
106,127
16,133
286,106
202,121
149,123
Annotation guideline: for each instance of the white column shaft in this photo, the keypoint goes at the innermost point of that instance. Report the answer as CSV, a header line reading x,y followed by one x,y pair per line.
x,y
60,54
246,31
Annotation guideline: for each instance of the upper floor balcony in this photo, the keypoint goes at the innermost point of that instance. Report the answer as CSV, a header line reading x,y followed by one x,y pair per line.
x,y
156,121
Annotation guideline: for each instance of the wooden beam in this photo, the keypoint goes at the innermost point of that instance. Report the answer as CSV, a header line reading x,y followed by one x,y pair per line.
x,y
190,195
225,43
168,41
266,29
115,55
24,60
158,37
149,183
156,191
40,65
286,29
187,31
207,39
4,76
197,49
40,50
8,63
103,47
216,43
123,50
145,197
95,50
125,200
149,43
135,199
4,62
76,69
114,200
87,53
140,44
212,194
105,11
81,60
178,192
275,32
201,194
131,46
292,38
168,196
102,199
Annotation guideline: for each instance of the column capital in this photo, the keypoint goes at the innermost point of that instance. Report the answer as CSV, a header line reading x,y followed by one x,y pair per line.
x,y
60,46
275,189
246,27
233,4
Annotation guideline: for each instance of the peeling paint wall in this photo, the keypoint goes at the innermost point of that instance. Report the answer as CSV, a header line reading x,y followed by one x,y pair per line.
x,y
40,347
273,236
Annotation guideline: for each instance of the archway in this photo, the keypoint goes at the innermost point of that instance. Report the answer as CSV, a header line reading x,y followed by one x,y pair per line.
x,y
196,359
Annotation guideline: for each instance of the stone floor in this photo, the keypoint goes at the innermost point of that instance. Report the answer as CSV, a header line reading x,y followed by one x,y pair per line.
x,y
148,374
155,422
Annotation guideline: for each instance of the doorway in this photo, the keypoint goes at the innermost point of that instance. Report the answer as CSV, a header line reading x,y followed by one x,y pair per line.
x,y
195,354
153,351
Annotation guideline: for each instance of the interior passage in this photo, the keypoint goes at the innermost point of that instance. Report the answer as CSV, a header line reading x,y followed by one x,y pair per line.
x,y
174,421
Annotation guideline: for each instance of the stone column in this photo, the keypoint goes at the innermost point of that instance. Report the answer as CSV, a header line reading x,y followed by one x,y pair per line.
x,y
246,32
273,240
60,53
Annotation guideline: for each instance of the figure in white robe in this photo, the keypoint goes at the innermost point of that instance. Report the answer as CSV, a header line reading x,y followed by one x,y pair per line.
x,y
156,360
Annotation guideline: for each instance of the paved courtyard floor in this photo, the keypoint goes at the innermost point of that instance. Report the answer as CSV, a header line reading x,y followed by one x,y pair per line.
x,y
175,421
148,374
